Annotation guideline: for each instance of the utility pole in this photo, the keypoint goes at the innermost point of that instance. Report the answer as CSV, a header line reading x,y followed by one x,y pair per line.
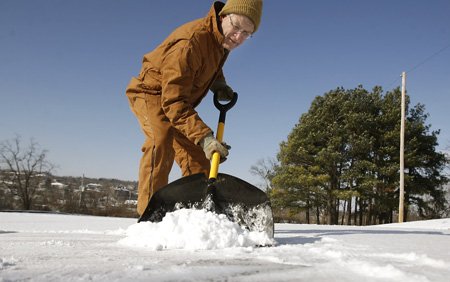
x,y
402,149
81,192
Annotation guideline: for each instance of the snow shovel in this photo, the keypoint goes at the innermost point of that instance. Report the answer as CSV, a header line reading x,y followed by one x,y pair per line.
x,y
221,193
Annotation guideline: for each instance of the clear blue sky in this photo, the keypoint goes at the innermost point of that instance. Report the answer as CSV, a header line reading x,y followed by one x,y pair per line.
x,y
64,67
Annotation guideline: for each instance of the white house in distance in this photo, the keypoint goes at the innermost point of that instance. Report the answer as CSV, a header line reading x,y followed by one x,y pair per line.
x,y
57,184
91,187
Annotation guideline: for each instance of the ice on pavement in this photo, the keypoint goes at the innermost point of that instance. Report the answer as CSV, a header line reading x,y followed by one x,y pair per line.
x,y
61,247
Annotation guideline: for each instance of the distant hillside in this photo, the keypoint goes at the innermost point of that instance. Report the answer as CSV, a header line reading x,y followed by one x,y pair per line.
x,y
84,195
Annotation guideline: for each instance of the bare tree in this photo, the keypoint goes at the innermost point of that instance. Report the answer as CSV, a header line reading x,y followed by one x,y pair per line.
x,y
264,168
24,168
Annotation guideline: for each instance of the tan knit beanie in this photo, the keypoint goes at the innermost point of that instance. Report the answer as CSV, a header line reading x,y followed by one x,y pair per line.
x,y
250,8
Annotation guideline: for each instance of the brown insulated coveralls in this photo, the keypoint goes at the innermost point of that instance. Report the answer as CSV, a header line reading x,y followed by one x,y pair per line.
x,y
174,78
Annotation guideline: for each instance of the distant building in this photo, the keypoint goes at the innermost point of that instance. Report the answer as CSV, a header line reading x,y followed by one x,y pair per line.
x,y
131,202
122,193
57,184
92,187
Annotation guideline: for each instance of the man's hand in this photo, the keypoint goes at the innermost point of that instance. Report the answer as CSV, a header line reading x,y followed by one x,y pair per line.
x,y
224,92
210,145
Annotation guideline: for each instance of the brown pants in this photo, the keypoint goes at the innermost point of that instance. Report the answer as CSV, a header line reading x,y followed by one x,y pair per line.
x,y
163,145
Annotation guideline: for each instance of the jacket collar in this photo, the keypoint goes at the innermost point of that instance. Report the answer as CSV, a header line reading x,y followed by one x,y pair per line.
x,y
213,21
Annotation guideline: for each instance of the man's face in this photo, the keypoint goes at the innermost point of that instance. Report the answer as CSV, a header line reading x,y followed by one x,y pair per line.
x,y
236,29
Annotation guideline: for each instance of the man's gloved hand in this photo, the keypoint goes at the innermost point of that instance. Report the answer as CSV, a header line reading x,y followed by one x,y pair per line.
x,y
223,91
210,145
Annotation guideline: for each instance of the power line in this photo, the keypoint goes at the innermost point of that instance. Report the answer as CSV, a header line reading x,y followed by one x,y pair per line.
x,y
421,63
429,58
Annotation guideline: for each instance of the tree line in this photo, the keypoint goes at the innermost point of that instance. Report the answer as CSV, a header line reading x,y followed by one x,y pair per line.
x,y
340,162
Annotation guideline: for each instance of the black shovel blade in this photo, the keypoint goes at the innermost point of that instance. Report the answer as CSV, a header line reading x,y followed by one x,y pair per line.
x,y
239,200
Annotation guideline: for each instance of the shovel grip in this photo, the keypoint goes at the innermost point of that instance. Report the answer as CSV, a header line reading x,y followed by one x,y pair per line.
x,y
223,108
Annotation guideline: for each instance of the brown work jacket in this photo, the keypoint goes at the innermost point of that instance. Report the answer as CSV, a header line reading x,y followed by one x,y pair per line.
x,y
181,70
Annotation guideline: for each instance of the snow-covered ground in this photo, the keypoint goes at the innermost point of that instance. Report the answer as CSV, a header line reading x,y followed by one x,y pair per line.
x,y
202,247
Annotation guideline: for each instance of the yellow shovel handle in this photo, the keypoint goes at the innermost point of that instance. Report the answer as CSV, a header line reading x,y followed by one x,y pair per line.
x,y
214,166
215,160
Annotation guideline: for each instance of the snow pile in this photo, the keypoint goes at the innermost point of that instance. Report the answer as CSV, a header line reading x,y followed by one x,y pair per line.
x,y
193,230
